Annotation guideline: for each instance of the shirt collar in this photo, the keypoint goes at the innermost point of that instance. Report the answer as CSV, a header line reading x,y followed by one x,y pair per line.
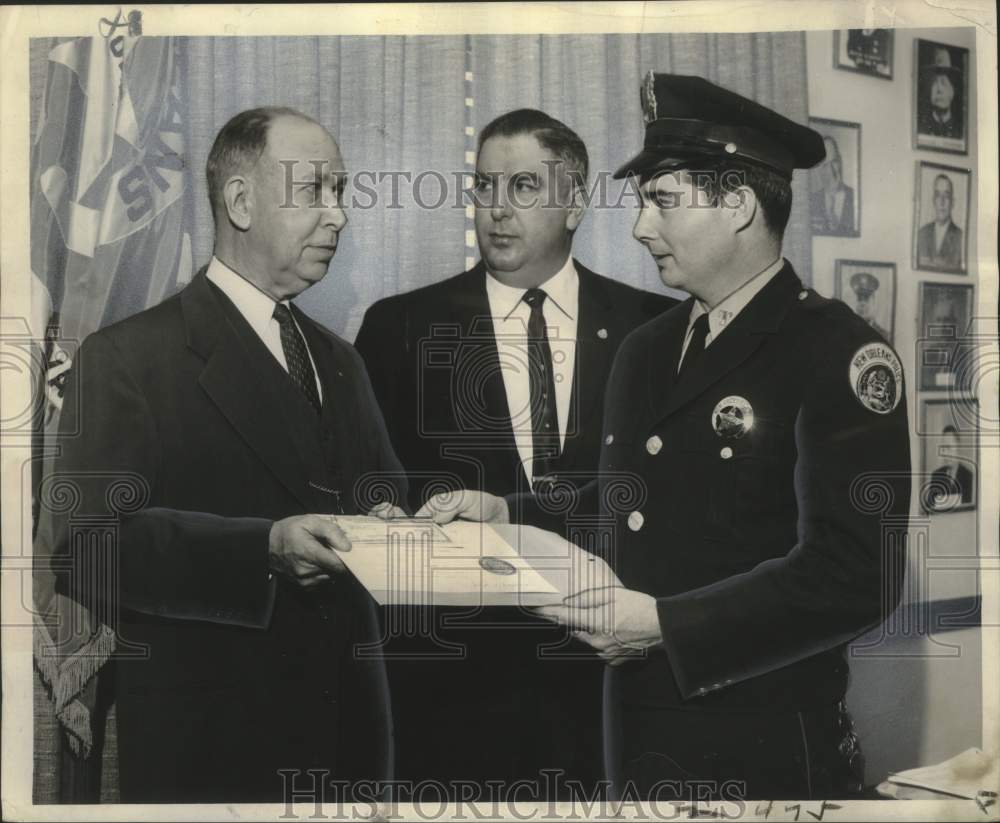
x,y
561,290
725,312
256,306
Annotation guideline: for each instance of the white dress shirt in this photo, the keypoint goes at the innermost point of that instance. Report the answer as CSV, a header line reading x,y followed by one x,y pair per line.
x,y
257,309
510,327
940,230
722,315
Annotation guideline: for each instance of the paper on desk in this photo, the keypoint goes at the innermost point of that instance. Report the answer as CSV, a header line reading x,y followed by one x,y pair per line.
x,y
964,775
407,561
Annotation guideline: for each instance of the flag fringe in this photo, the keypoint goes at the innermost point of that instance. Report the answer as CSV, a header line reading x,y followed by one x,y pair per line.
x,y
65,681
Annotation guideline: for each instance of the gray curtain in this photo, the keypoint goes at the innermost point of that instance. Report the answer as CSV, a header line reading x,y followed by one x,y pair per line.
x,y
398,104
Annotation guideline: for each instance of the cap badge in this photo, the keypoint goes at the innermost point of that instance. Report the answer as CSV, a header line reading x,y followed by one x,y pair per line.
x,y
649,98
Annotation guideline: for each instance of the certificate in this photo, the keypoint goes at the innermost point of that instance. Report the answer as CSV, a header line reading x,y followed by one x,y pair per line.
x,y
416,562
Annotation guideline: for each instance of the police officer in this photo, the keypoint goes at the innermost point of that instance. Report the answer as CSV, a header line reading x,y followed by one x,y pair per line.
x,y
865,287
766,430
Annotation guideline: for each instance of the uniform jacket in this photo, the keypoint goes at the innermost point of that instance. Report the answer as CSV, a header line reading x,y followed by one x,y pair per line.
x,y
224,674
766,552
432,357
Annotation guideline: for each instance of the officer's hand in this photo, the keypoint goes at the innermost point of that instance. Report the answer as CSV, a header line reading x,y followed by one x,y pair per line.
x,y
303,549
465,505
386,511
619,623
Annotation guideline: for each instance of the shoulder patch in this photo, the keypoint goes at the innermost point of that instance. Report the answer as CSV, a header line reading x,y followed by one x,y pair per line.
x,y
876,377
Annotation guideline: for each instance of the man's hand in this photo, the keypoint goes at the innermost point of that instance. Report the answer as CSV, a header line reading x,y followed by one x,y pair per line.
x,y
465,505
302,549
386,511
619,623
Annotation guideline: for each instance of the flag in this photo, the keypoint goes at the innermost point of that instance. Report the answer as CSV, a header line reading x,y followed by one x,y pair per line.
x,y
108,239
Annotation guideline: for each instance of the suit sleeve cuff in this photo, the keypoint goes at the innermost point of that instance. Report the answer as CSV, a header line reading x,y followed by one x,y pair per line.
x,y
699,667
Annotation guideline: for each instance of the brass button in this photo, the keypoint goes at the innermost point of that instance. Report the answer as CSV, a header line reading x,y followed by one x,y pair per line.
x,y
654,444
609,440
803,294
726,453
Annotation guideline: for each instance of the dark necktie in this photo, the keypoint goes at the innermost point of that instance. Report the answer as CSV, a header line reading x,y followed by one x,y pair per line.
x,y
696,345
296,356
542,386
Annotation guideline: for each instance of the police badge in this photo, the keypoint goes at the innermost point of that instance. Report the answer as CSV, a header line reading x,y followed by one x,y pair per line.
x,y
732,417
649,98
876,377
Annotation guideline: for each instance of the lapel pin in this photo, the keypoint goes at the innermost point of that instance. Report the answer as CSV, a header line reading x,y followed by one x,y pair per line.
x,y
602,333
732,417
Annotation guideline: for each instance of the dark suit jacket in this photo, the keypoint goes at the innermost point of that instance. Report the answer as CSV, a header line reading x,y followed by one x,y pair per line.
x,y
506,709
948,257
827,224
943,484
433,363
190,439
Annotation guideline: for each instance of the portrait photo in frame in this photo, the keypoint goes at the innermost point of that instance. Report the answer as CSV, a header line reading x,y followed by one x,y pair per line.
x,y
944,325
835,184
948,455
864,51
869,288
940,89
941,217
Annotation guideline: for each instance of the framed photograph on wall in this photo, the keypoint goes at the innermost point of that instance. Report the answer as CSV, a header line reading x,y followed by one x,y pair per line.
x,y
948,456
941,216
835,184
944,351
866,51
869,288
940,84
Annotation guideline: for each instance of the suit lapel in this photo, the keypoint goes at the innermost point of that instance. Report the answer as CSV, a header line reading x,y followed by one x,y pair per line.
x,y
250,405
339,404
594,354
741,338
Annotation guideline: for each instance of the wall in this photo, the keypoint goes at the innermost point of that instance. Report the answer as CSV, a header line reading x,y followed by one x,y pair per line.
x,y
916,699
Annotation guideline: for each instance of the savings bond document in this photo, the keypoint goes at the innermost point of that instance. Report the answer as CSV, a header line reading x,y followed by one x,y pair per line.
x,y
408,561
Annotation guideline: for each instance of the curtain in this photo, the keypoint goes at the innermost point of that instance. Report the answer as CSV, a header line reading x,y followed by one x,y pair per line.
x,y
397,104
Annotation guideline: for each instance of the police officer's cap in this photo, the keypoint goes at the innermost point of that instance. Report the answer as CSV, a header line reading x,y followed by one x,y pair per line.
x,y
941,64
689,119
864,283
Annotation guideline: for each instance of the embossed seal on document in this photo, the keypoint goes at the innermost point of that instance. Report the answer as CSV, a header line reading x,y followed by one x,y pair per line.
x,y
496,565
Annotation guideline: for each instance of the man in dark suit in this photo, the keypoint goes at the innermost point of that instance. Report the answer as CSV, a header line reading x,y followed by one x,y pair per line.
x,y
940,242
766,430
831,206
494,379
222,427
952,483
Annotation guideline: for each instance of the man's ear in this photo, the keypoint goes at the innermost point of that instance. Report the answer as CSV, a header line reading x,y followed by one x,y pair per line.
x,y
578,205
238,196
743,206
